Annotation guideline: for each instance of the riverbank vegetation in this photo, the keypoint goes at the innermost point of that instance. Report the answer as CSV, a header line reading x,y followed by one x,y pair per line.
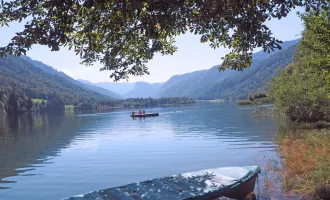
x,y
144,102
258,98
306,160
301,93
18,102
302,90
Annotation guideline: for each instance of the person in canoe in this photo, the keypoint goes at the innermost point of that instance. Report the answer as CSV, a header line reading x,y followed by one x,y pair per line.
x,y
143,112
140,112
133,113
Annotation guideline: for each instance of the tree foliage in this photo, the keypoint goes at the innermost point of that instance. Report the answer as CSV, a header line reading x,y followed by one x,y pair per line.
x,y
29,105
257,95
302,90
124,35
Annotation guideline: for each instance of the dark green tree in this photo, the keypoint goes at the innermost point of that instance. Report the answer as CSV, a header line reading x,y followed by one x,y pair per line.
x,y
124,35
55,104
13,104
43,104
29,105
2,108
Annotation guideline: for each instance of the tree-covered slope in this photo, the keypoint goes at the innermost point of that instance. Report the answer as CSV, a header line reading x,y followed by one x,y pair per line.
x,y
252,79
229,84
19,74
51,70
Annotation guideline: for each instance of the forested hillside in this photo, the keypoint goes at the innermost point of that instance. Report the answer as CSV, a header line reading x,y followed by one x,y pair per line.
x,y
229,84
23,80
51,70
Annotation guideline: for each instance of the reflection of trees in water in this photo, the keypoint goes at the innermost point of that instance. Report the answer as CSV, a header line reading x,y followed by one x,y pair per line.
x,y
262,112
22,138
30,139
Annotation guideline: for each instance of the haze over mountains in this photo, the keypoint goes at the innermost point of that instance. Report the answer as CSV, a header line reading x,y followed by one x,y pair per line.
x,y
38,80
119,88
229,84
129,90
212,84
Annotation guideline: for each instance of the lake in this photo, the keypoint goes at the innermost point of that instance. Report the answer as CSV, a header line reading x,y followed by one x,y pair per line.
x,y
47,156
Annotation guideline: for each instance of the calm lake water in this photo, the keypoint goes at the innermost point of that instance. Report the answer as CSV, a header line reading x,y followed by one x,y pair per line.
x,y
45,156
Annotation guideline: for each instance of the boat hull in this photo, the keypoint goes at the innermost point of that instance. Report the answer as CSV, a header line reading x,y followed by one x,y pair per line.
x,y
242,190
231,182
146,115
239,192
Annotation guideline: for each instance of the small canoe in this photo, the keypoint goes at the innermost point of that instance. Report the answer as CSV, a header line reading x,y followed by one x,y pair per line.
x,y
231,182
146,115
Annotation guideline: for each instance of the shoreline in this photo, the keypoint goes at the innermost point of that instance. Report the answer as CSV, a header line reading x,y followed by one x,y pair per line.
x,y
303,171
305,153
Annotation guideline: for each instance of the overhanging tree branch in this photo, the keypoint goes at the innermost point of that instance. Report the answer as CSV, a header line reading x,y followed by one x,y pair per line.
x,y
124,35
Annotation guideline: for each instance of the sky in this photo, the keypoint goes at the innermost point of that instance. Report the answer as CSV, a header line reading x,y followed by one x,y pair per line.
x,y
190,56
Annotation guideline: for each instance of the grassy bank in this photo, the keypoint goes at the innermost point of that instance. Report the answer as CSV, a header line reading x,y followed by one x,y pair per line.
x,y
39,101
306,161
245,102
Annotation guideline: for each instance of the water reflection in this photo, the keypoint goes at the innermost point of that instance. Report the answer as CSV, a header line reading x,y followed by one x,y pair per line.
x,y
29,141
41,153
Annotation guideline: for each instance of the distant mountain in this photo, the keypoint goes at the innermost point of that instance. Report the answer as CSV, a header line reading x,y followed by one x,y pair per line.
x,y
119,88
230,84
16,73
261,55
143,90
51,70
129,90
45,68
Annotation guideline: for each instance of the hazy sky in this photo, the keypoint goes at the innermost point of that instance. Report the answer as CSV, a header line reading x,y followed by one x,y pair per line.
x,y
191,55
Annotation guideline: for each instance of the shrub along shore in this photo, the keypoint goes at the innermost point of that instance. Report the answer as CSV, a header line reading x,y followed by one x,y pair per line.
x,y
306,159
258,98
301,93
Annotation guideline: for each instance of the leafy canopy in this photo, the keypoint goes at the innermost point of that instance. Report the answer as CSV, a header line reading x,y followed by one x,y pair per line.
x,y
124,35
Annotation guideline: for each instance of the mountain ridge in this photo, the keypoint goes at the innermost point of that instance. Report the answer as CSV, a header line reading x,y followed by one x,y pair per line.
x,y
138,89
143,90
17,74
210,83
229,84
48,69
202,84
